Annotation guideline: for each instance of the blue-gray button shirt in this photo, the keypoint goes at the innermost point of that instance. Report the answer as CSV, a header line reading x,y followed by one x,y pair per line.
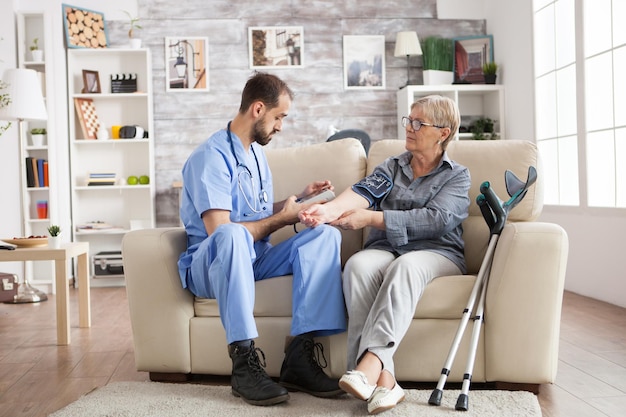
x,y
423,213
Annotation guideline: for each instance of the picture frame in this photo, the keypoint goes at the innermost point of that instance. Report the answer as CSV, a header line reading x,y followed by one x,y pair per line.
x,y
84,28
364,62
91,82
470,54
87,117
275,47
187,64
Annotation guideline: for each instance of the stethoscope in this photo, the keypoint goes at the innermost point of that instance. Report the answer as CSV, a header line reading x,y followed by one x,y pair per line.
x,y
263,197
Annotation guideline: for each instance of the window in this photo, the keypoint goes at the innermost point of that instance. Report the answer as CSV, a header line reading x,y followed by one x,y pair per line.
x,y
581,152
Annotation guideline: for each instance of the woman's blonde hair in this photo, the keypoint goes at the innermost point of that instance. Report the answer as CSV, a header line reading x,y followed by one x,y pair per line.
x,y
440,111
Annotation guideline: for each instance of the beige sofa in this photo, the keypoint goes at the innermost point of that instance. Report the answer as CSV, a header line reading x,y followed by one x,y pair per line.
x,y
176,334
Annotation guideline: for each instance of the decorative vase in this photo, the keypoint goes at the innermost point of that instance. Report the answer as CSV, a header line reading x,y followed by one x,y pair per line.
x,y
436,77
37,55
135,43
38,140
102,133
54,242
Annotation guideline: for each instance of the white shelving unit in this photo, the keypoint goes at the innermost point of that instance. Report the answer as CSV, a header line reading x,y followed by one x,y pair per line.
x,y
40,274
480,100
120,206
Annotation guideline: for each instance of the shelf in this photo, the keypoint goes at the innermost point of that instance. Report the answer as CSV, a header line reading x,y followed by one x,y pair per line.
x,y
112,187
96,142
120,206
31,25
115,96
473,100
116,231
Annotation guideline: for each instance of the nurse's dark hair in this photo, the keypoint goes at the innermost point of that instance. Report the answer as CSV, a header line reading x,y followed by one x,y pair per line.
x,y
263,87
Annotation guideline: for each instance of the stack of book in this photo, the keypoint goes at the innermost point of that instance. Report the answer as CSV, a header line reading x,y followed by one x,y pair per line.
x,y
36,172
123,83
101,178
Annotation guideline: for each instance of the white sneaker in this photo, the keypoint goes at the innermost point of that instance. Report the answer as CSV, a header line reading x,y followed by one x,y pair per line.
x,y
355,383
384,399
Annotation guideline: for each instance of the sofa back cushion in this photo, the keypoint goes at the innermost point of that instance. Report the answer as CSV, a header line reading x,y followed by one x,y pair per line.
x,y
343,162
486,161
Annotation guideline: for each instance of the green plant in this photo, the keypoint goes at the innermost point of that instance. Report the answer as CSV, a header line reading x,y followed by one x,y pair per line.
x,y
490,68
35,45
482,129
134,23
54,230
438,53
38,131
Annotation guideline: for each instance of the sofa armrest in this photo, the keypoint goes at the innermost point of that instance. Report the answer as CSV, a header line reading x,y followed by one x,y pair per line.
x,y
160,309
523,304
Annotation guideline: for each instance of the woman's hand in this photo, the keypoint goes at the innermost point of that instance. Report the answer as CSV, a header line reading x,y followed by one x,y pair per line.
x,y
317,214
355,219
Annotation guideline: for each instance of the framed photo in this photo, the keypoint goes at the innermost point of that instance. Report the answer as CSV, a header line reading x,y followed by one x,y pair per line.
x,y
364,62
187,64
91,82
87,116
470,54
84,28
275,46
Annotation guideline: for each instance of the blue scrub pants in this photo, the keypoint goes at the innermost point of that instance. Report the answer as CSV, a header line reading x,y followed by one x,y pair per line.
x,y
226,266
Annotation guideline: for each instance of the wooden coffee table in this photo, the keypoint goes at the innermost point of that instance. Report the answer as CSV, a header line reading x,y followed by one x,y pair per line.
x,y
67,251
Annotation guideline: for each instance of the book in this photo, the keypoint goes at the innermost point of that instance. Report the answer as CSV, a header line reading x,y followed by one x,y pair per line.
x,y
46,177
33,162
40,172
30,175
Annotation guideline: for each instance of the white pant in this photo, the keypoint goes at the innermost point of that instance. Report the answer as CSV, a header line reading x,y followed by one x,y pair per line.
x,y
381,293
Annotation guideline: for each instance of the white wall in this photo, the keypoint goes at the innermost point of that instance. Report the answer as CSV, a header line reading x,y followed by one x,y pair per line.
x,y
9,162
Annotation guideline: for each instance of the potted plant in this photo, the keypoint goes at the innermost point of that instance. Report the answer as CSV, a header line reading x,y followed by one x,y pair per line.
x,y
437,56
482,129
489,71
36,53
135,43
54,241
38,136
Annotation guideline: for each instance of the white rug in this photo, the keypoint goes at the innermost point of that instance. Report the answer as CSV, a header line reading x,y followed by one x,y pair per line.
x,y
153,399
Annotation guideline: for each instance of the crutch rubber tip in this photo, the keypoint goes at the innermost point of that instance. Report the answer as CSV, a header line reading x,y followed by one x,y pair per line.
x,y
461,403
435,397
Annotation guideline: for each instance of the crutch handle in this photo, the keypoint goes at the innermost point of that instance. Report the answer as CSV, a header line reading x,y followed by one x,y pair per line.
x,y
485,210
496,207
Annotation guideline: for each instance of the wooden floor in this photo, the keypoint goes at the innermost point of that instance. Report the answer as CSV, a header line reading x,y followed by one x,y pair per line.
x,y
37,377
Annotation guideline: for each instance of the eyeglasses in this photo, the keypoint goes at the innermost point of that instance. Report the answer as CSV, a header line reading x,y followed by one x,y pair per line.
x,y
416,124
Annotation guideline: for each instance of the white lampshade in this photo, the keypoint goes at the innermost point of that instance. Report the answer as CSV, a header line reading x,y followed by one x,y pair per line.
x,y
407,44
24,89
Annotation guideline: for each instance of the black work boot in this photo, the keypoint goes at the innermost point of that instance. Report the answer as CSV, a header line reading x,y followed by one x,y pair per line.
x,y
301,370
250,381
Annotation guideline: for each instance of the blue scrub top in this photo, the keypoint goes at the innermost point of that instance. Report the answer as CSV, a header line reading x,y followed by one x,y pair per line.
x,y
213,179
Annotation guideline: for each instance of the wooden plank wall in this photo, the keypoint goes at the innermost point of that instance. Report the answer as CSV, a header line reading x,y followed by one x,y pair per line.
x,y
185,119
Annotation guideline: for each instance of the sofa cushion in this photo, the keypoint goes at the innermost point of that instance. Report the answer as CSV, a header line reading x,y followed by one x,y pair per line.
x,y
341,161
482,158
444,298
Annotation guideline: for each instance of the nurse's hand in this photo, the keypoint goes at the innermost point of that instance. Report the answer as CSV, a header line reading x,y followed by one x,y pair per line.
x,y
315,187
289,211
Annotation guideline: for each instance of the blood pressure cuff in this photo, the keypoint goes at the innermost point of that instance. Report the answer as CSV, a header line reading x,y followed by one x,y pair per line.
x,y
373,188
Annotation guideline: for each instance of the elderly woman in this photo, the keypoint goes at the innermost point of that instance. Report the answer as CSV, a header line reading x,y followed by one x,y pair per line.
x,y
414,204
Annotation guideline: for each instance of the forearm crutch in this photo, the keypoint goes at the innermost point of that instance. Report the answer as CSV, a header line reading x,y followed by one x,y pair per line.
x,y
495,214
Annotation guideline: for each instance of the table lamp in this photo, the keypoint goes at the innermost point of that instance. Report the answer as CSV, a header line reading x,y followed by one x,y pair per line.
x,y
407,45
26,103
